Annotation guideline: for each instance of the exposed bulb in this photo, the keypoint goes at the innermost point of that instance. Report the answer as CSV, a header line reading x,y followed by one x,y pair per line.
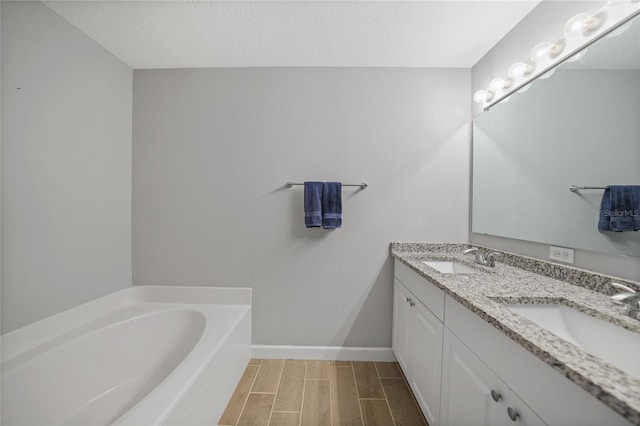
x,y
556,48
584,23
521,69
593,22
540,51
480,96
500,83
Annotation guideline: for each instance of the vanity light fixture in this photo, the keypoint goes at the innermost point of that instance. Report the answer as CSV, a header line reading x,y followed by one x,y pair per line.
x,y
585,26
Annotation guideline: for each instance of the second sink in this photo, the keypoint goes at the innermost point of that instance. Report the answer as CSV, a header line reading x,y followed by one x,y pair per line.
x,y
613,344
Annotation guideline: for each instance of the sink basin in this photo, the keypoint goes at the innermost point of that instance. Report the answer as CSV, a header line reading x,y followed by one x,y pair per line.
x,y
450,267
611,343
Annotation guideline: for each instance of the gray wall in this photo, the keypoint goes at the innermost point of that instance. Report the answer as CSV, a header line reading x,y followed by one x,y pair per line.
x,y
213,149
66,166
544,23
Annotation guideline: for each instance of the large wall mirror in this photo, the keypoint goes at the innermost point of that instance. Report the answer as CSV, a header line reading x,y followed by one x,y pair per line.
x,y
578,126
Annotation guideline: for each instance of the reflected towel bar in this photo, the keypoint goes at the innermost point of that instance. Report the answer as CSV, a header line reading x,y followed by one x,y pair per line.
x,y
361,185
574,188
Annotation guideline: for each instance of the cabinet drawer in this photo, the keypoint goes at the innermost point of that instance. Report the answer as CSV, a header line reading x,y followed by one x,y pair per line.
x,y
428,294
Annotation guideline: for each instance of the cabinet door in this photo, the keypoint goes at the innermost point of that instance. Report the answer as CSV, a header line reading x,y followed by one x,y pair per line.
x,y
467,386
425,340
401,316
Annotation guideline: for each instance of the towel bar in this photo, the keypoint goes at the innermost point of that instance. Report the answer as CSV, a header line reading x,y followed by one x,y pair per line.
x,y
574,188
361,185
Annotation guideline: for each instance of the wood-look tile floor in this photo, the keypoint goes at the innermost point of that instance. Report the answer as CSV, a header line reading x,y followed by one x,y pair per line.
x,y
276,392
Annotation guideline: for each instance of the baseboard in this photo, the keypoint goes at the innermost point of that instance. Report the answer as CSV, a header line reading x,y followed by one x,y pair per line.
x,y
338,353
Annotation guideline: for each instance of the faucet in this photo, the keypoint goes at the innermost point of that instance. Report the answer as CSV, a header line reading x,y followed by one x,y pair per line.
x,y
630,298
483,259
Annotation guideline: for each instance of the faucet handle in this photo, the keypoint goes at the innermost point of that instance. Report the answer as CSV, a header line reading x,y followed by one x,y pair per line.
x,y
491,258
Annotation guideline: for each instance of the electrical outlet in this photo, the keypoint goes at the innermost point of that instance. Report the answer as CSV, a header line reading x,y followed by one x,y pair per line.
x,y
561,254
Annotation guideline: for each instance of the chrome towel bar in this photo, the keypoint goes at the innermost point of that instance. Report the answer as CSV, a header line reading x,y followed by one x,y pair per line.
x,y
361,185
574,188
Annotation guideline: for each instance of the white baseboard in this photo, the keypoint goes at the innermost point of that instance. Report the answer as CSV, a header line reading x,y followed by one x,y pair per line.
x,y
338,353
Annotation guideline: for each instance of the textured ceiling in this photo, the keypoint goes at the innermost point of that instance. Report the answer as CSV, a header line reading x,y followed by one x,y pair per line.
x,y
179,34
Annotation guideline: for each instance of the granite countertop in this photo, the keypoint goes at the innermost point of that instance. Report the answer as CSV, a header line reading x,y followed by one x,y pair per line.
x,y
484,294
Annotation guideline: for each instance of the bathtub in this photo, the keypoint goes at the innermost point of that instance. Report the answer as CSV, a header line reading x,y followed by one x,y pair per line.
x,y
146,355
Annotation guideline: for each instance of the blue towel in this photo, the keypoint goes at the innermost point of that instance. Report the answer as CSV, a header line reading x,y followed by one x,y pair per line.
x,y
620,208
313,204
332,205
604,223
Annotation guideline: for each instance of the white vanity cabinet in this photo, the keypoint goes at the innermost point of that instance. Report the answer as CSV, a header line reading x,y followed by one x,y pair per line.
x,y
453,362
473,395
417,341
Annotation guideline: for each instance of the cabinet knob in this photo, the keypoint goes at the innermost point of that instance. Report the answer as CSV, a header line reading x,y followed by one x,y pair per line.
x,y
513,414
408,300
412,303
495,395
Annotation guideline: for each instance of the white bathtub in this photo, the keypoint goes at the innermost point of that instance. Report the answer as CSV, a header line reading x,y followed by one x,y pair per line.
x,y
140,356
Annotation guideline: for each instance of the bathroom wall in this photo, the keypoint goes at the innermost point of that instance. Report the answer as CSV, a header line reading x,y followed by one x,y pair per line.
x,y
213,149
544,23
66,166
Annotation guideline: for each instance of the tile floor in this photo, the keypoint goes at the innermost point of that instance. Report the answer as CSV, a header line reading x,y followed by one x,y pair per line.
x,y
322,393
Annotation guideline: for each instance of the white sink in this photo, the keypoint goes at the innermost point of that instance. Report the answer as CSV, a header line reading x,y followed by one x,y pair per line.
x,y
616,345
446,267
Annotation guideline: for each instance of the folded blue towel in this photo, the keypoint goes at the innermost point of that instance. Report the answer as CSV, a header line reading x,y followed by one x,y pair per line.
x,y
332,205
620,209
313,204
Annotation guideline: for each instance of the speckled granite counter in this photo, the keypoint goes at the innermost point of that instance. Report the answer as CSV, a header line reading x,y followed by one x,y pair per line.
x,y
484,294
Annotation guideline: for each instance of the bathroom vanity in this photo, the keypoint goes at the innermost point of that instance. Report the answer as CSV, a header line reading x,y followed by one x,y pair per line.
x,y
471,359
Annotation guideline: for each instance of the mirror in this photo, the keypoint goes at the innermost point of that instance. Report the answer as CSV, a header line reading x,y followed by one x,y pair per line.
x,y
580,126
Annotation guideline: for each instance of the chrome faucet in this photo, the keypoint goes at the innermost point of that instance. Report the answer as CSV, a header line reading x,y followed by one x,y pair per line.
x,y
481,258
630,298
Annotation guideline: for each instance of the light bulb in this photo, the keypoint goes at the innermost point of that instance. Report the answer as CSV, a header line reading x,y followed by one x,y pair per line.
x,y
556,48
547,50
593,22
520,69
573,26
584,24
540,51
500,83
480,96
483,96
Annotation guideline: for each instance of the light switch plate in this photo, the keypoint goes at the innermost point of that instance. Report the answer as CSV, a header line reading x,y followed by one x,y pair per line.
x,y
561,254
